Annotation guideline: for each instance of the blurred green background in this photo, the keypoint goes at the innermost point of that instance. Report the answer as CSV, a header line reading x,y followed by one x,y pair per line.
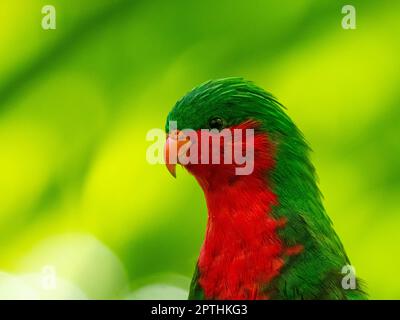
x,y
77,196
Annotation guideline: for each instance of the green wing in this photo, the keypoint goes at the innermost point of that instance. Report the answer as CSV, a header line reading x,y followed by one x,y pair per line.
x,y
196,292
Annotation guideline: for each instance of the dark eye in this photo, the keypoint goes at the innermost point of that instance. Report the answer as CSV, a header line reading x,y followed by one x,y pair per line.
x,y
216,123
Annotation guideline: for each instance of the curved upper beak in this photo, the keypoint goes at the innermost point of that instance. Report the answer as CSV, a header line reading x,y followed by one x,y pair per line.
x,y
177,144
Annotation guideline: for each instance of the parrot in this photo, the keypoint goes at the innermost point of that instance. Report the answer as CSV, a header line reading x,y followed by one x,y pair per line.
x,y
268,236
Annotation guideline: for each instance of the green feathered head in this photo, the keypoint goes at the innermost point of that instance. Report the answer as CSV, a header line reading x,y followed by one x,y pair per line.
x,y
228,102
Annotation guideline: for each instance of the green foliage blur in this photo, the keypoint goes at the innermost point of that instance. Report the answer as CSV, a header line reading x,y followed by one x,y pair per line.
x,y
78,198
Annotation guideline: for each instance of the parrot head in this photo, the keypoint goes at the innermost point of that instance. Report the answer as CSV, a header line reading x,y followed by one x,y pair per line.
x,y
234,125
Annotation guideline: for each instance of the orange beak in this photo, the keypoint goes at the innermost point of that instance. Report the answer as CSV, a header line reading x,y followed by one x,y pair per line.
x,y
177,145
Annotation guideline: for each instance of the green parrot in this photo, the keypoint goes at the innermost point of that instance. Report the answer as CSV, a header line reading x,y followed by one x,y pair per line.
x,y
268,235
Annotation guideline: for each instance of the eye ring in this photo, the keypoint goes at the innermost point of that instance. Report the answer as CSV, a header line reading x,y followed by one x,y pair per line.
x,y
216,123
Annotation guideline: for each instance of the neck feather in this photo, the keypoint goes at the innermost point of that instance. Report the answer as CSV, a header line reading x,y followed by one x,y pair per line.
x,y
242,251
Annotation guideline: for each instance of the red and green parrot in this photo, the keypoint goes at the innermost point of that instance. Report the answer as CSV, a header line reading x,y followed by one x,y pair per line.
x,y
268,235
